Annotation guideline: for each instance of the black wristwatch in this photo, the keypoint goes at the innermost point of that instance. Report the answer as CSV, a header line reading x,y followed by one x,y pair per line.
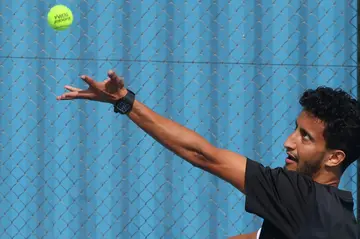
x,y
125,104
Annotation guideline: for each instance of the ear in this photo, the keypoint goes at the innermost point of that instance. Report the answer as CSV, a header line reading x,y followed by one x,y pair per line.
x,y
336,157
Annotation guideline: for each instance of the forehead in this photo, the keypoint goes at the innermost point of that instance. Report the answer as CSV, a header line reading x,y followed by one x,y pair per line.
x,y
311,124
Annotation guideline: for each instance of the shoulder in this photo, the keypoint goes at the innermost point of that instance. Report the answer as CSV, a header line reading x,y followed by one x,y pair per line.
x,y
277,183
257,170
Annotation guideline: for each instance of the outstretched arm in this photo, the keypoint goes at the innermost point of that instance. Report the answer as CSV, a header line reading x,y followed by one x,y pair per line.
x,y
191,146
184,142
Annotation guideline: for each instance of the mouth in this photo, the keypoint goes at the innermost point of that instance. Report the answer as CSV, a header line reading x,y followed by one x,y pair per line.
x,y
291,159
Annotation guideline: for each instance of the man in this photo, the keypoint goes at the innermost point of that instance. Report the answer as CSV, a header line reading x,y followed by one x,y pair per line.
x,y
300,203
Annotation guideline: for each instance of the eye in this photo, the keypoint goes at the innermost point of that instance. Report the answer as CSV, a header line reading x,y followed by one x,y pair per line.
x,y
305,135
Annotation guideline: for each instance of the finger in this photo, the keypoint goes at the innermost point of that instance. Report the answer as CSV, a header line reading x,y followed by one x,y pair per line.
x,y
71,88
76,95
119,80
111,74
88,80
67,96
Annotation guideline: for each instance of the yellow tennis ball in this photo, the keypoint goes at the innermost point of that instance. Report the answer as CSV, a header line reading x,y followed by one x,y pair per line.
x,y
60,17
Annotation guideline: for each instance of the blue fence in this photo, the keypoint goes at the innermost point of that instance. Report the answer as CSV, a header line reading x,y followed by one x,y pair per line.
x,y
231,70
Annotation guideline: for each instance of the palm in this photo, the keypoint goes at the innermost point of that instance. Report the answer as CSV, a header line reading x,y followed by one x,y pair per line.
x,y
110,90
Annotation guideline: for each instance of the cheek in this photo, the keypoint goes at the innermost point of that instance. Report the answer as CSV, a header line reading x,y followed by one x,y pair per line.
x,y
309,154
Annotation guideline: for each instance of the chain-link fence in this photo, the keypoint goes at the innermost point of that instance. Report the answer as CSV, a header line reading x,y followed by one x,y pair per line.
x,y
231,70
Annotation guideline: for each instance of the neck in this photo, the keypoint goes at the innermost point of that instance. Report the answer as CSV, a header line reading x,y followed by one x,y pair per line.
x,y
326,177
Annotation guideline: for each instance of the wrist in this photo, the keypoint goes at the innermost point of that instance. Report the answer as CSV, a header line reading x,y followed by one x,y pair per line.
x,y
118,96
123,93
125,102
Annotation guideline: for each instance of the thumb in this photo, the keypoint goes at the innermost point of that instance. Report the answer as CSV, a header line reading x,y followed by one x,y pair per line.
x,y
115,78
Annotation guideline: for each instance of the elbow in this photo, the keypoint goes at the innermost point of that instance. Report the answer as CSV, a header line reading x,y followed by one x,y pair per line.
x,y
202,160
201,156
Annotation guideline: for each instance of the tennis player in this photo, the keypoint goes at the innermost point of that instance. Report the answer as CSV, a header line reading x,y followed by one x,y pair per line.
x,y
301,203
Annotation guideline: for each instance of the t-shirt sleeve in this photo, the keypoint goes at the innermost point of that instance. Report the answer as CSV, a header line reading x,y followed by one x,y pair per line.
x,y
276,195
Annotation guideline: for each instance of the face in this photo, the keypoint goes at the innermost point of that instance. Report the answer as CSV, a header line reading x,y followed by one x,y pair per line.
x,y
306,147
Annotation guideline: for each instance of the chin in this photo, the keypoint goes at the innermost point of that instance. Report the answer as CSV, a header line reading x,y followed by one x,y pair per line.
x,y
291,167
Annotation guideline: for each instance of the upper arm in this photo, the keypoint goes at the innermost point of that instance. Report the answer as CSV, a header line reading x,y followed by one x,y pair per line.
x,y
227,165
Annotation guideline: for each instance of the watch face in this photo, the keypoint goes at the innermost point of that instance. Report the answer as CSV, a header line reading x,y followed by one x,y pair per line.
x,y
123,107
125,104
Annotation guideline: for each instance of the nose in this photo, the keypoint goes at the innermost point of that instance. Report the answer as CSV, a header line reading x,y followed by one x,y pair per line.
x,y
290,143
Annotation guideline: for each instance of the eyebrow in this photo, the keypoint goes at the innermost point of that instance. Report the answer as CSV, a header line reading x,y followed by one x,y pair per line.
x,y
305,131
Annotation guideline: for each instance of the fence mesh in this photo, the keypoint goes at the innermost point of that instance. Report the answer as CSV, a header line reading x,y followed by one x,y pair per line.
x,y
230,70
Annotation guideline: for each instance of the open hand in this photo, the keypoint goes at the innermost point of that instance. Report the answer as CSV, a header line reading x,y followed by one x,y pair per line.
x,y
110,90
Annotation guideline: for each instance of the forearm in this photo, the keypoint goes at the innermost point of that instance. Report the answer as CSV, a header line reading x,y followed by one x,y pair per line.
x,y
182,141
245,236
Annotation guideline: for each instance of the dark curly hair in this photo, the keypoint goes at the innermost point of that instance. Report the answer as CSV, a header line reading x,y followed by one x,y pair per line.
x,y
341,116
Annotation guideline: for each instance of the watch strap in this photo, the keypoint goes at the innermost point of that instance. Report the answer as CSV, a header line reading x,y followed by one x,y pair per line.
x,y
125,104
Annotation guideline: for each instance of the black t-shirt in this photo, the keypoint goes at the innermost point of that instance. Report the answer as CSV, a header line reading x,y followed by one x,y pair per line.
x,y
294,206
